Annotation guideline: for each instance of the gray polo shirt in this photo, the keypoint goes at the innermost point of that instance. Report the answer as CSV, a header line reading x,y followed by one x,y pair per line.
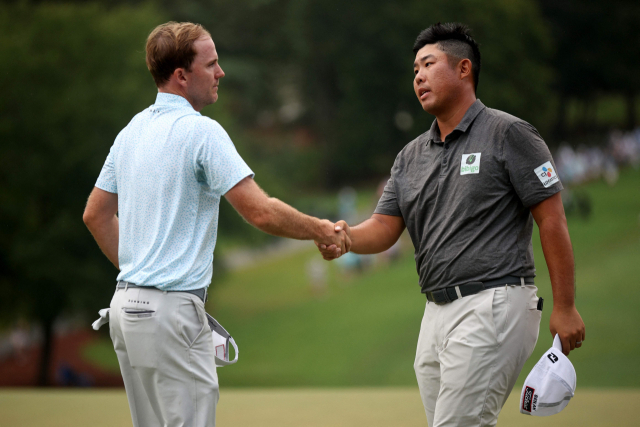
x,y
465,201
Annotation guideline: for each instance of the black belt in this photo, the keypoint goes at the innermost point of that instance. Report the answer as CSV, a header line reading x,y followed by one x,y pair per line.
x,y
200,293
446,295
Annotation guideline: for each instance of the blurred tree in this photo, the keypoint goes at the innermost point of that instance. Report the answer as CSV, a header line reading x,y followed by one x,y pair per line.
x,y
357,69
72,77
597,51
343,71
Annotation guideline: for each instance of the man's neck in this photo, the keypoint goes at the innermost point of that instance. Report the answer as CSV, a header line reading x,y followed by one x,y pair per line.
x,y
448,120
176,91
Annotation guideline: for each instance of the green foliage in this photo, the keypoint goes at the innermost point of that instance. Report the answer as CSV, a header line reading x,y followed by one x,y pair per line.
x,y
363,331
596,55
72,77
349,66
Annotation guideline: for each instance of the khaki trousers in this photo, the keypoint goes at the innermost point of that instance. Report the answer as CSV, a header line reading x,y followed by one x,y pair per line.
x,y
165,351
471,351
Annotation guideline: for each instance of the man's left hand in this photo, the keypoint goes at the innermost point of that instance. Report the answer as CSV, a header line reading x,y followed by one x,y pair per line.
x,y
567,323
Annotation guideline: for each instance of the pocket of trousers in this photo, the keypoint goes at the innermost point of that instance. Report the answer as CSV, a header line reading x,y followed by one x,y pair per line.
x,y
139,313
533,319
500,311
139,330
192,322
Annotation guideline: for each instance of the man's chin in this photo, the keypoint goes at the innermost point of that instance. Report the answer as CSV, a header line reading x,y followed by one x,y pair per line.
x,y
430,108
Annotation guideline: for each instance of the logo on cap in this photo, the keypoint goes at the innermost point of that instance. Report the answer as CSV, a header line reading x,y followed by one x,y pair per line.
x,y
552,357
527,399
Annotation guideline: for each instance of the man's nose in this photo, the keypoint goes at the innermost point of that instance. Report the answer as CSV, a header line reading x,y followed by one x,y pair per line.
x,y
220,72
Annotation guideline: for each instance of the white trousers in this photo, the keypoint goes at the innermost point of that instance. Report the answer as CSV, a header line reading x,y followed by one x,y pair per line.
x,y
165,350
470,352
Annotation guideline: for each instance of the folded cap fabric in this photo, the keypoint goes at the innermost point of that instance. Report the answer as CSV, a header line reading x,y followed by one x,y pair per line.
x,y
221,338
550,385
221,342
102,320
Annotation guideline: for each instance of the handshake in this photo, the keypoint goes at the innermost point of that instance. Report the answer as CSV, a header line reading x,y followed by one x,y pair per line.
x,y
335,239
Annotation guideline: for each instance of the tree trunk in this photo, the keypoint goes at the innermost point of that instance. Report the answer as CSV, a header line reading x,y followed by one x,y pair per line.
x,y
45,356
561,118
630,99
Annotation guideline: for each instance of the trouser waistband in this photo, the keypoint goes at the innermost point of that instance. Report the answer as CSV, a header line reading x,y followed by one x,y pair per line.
x,y
452,293
200,293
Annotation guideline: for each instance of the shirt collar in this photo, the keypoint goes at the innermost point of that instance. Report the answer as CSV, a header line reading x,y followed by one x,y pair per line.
x,y
463,126
171,100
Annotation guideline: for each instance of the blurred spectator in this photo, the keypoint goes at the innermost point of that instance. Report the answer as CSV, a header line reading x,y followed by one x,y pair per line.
x,y
317,274
69,377
394,251
348,211
589,163
576,203
347,204
19,339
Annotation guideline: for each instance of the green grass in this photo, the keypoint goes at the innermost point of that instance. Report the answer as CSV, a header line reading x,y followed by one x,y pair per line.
x,y
372,407
363,332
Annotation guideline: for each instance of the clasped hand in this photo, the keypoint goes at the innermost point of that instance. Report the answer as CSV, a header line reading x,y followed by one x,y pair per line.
x,y
336,243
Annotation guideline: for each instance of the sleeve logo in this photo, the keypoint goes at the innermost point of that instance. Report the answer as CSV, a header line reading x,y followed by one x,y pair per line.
x,y
470,163
546,174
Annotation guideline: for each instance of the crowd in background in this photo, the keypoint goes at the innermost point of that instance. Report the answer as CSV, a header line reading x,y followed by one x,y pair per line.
x,y
583,164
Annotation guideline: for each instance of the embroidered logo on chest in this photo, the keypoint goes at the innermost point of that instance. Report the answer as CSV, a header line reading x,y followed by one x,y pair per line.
x,y
470,163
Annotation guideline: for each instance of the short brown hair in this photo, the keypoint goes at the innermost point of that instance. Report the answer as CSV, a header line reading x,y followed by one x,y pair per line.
x,y
170,46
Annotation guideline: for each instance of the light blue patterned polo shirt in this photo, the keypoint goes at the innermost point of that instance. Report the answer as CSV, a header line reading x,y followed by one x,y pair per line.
x,y
170,166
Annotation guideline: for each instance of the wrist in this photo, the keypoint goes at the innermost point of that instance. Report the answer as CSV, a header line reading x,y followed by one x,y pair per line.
x,y
318,229
564,306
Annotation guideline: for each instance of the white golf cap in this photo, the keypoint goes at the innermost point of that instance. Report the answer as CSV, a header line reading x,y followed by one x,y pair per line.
x,y
221,342
550,385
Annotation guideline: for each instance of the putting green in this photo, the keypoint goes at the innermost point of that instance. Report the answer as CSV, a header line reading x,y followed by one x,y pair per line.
x,y
341,407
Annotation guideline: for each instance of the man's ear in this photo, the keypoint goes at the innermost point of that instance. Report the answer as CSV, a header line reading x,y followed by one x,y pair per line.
x,y
464,66
180,76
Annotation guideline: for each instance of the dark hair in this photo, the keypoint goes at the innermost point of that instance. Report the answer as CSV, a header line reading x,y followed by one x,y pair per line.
x,y
455,40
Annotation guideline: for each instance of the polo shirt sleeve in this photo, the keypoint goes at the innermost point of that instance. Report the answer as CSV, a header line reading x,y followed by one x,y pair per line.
x,y
388,203
107,178
531,168
219,161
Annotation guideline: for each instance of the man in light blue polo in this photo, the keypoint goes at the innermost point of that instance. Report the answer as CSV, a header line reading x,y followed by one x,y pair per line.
x,y
164,178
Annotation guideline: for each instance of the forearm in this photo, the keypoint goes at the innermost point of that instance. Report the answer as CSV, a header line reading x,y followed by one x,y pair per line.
x,y
372,236
280,219
106,232
565,321
558,253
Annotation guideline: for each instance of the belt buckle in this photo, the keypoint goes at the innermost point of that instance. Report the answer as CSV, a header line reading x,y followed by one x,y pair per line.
x,y
446,297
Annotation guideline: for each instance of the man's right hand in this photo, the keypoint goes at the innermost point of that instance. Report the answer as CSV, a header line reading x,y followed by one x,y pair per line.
x,y
331,251
334,238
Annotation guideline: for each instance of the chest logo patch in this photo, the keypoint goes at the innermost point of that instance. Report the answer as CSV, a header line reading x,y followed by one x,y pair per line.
x,y
546,174
470,163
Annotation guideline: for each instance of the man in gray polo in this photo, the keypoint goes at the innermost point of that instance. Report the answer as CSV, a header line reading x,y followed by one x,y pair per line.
x,y
164,177
468,191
